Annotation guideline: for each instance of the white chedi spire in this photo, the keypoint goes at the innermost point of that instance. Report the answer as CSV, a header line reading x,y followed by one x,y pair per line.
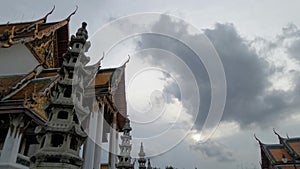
x,y
142,153
142,160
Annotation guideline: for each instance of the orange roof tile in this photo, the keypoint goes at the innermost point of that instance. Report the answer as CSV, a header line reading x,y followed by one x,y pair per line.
x,y
102,78
290,167
295,146
278,152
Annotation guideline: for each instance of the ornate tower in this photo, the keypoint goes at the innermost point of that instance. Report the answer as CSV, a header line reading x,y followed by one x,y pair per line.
x,y
142,160
125,148
60,139
149,164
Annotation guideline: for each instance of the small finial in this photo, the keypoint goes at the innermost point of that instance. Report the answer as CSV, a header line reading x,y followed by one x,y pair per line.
x,y
257,139
49,13
102,56
82,32
69,17
128,59
276,133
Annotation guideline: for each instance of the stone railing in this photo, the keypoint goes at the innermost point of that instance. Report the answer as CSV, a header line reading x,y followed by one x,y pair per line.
x,y
23,160
21,163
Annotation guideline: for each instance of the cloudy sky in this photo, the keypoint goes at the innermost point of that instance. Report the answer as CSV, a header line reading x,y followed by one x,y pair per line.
x,y
169,88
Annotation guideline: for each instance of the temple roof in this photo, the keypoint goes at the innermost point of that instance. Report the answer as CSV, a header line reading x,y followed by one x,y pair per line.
x,y
275,153
46,41
289,167
16,89
106,79
283,155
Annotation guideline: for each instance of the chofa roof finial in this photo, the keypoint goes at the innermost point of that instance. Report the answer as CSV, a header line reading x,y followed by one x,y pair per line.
x,y
49,13
276,133
69,17
257,139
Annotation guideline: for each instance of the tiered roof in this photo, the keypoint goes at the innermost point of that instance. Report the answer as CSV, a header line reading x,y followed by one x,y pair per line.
x,y
18,88
285,155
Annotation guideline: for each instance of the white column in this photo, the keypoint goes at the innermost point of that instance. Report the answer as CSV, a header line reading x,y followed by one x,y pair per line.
x,y
112,142
97,156
116,144
89,148
12,142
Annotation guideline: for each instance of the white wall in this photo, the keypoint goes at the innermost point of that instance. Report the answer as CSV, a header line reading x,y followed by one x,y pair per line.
x,y
16,59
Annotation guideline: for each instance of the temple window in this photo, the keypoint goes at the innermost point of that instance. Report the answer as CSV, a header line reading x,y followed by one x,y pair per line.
x,y
62,115
74,60
57,140
73,144
70,76
75,119
67,93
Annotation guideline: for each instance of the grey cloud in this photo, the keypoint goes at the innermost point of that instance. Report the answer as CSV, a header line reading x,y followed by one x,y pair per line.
x,y
294,50
214,149
247,80
292,32
187,56
248,100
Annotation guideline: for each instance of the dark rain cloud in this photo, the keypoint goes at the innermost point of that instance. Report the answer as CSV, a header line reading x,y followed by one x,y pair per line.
x,y
248,102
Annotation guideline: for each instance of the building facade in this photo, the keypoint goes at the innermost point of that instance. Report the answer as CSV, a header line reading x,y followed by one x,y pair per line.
x,y
40,111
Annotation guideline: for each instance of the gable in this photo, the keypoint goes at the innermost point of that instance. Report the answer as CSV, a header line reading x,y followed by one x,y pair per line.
x,y
16,60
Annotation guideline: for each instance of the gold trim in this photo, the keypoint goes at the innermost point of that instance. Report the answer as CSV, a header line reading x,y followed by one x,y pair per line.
x,y
37,34
43,50
12,35
36,103
36,31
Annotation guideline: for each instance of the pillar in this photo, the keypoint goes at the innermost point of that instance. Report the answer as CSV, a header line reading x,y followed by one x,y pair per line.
x,y
112,142
12,142
89,148
99,133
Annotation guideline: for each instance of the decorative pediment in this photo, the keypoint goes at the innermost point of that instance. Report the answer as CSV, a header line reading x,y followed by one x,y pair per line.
x,y
43,50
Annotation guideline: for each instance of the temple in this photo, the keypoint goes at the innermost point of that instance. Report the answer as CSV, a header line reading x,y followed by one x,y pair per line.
x,y
45,121
284,155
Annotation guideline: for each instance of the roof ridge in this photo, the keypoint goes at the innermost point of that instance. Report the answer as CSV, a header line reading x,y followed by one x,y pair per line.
x,y
44,89
15,91
27,77
43,19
